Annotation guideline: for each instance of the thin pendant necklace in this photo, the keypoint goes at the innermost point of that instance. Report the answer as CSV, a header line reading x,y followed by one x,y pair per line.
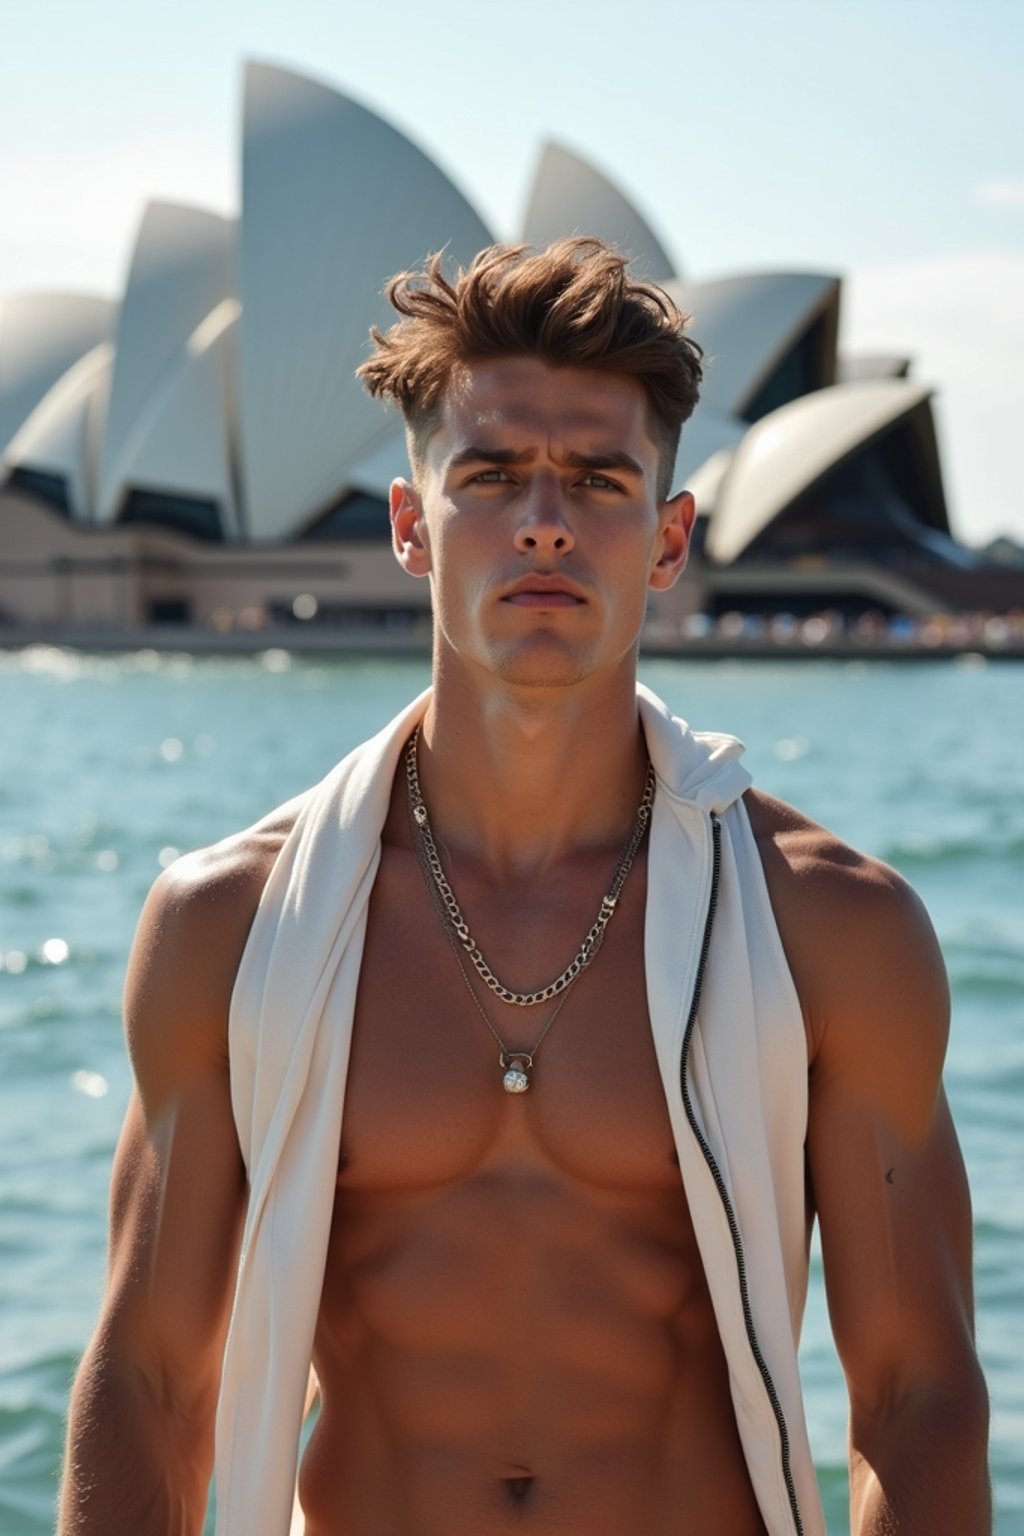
x,y
515,1065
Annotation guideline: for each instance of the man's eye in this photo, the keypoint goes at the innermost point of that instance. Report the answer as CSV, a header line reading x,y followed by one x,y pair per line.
x,y
600,482
490,477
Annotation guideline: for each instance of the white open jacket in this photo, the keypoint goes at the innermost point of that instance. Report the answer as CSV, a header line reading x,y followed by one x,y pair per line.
x,y
730,1044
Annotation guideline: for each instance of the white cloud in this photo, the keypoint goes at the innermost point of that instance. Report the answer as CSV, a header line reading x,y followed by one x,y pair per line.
x,y
1000,194
961,319
71,218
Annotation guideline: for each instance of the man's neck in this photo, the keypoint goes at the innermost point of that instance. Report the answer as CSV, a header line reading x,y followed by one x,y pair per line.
x,y
520,778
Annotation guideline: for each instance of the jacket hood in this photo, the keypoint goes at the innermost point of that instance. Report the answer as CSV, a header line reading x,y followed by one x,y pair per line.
x,y
703,769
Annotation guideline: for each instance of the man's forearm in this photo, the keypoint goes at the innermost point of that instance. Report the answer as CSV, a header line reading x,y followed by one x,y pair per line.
x,y
920,1467
132,1463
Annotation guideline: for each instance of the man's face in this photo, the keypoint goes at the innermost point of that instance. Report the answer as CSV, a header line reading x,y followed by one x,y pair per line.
x,y
536,518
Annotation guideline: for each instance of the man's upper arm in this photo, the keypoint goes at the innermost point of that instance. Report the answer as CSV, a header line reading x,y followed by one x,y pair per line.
x,y
885,1171
178,1191
886,1174
886,1178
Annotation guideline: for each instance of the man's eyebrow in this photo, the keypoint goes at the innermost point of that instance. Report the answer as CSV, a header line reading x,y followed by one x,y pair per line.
x,y
614,460
480,454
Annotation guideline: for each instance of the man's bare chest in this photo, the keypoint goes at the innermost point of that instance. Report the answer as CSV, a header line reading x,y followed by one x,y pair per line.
x,y
425,1101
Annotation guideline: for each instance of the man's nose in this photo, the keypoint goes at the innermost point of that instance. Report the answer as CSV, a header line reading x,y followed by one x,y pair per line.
x,y
544,524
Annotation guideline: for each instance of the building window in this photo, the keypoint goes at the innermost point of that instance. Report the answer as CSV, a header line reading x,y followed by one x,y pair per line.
x,y
281,611
873,505
169,610
356,517
798,604
803,369
51,489
193,515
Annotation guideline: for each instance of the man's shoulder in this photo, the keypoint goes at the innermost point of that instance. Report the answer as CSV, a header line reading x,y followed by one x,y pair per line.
x,y
805,862
859,941
226,875
193,931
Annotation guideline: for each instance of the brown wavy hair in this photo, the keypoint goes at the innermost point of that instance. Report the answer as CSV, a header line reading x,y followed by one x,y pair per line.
x,y
572,304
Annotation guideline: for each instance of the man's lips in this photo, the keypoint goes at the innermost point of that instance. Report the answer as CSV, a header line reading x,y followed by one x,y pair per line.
x,y
543,600
544,592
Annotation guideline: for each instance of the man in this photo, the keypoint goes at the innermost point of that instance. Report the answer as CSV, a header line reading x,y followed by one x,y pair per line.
x,y
526,1047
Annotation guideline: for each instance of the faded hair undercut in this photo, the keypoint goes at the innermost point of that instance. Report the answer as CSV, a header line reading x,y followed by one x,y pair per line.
x,y
573,305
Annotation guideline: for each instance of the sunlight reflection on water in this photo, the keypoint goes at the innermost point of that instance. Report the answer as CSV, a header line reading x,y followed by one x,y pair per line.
x,y
113,767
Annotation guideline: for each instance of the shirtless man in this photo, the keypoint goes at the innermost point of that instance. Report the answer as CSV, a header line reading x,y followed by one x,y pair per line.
x,y
516,1330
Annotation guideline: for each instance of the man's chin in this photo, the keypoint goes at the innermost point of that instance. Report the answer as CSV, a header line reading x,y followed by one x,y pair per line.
x,y
539,661
524,676
544,659
542,662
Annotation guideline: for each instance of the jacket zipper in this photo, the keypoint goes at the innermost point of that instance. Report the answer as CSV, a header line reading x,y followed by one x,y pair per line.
x,y
716,1174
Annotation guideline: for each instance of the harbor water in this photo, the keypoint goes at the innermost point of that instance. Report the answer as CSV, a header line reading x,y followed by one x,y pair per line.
x,y
110,767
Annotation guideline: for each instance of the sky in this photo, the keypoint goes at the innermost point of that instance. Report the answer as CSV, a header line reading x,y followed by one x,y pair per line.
x,y
882,140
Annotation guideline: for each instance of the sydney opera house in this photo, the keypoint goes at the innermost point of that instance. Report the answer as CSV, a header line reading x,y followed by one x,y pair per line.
x,y
198,454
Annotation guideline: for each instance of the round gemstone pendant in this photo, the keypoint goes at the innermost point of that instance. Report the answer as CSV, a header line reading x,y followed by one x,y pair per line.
x,y
517,1072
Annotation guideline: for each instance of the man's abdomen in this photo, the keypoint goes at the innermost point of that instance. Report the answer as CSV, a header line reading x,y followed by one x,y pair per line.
x,y
519,1352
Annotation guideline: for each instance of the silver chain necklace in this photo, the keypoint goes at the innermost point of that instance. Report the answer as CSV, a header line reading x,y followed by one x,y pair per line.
x,y
515,1064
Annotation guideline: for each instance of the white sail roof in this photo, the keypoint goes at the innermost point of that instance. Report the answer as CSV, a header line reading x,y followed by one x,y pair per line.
x,y
335,200
180,442
852,367
41,335
386,460
569,196
748,324
180,271
785,452
227,372
705,434
705,483
60,436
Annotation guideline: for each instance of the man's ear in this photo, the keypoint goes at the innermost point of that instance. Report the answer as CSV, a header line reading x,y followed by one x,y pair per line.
x,y
409,529
677,519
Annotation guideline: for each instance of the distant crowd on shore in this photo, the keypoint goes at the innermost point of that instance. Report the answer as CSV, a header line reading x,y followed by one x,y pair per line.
x,y
829,628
